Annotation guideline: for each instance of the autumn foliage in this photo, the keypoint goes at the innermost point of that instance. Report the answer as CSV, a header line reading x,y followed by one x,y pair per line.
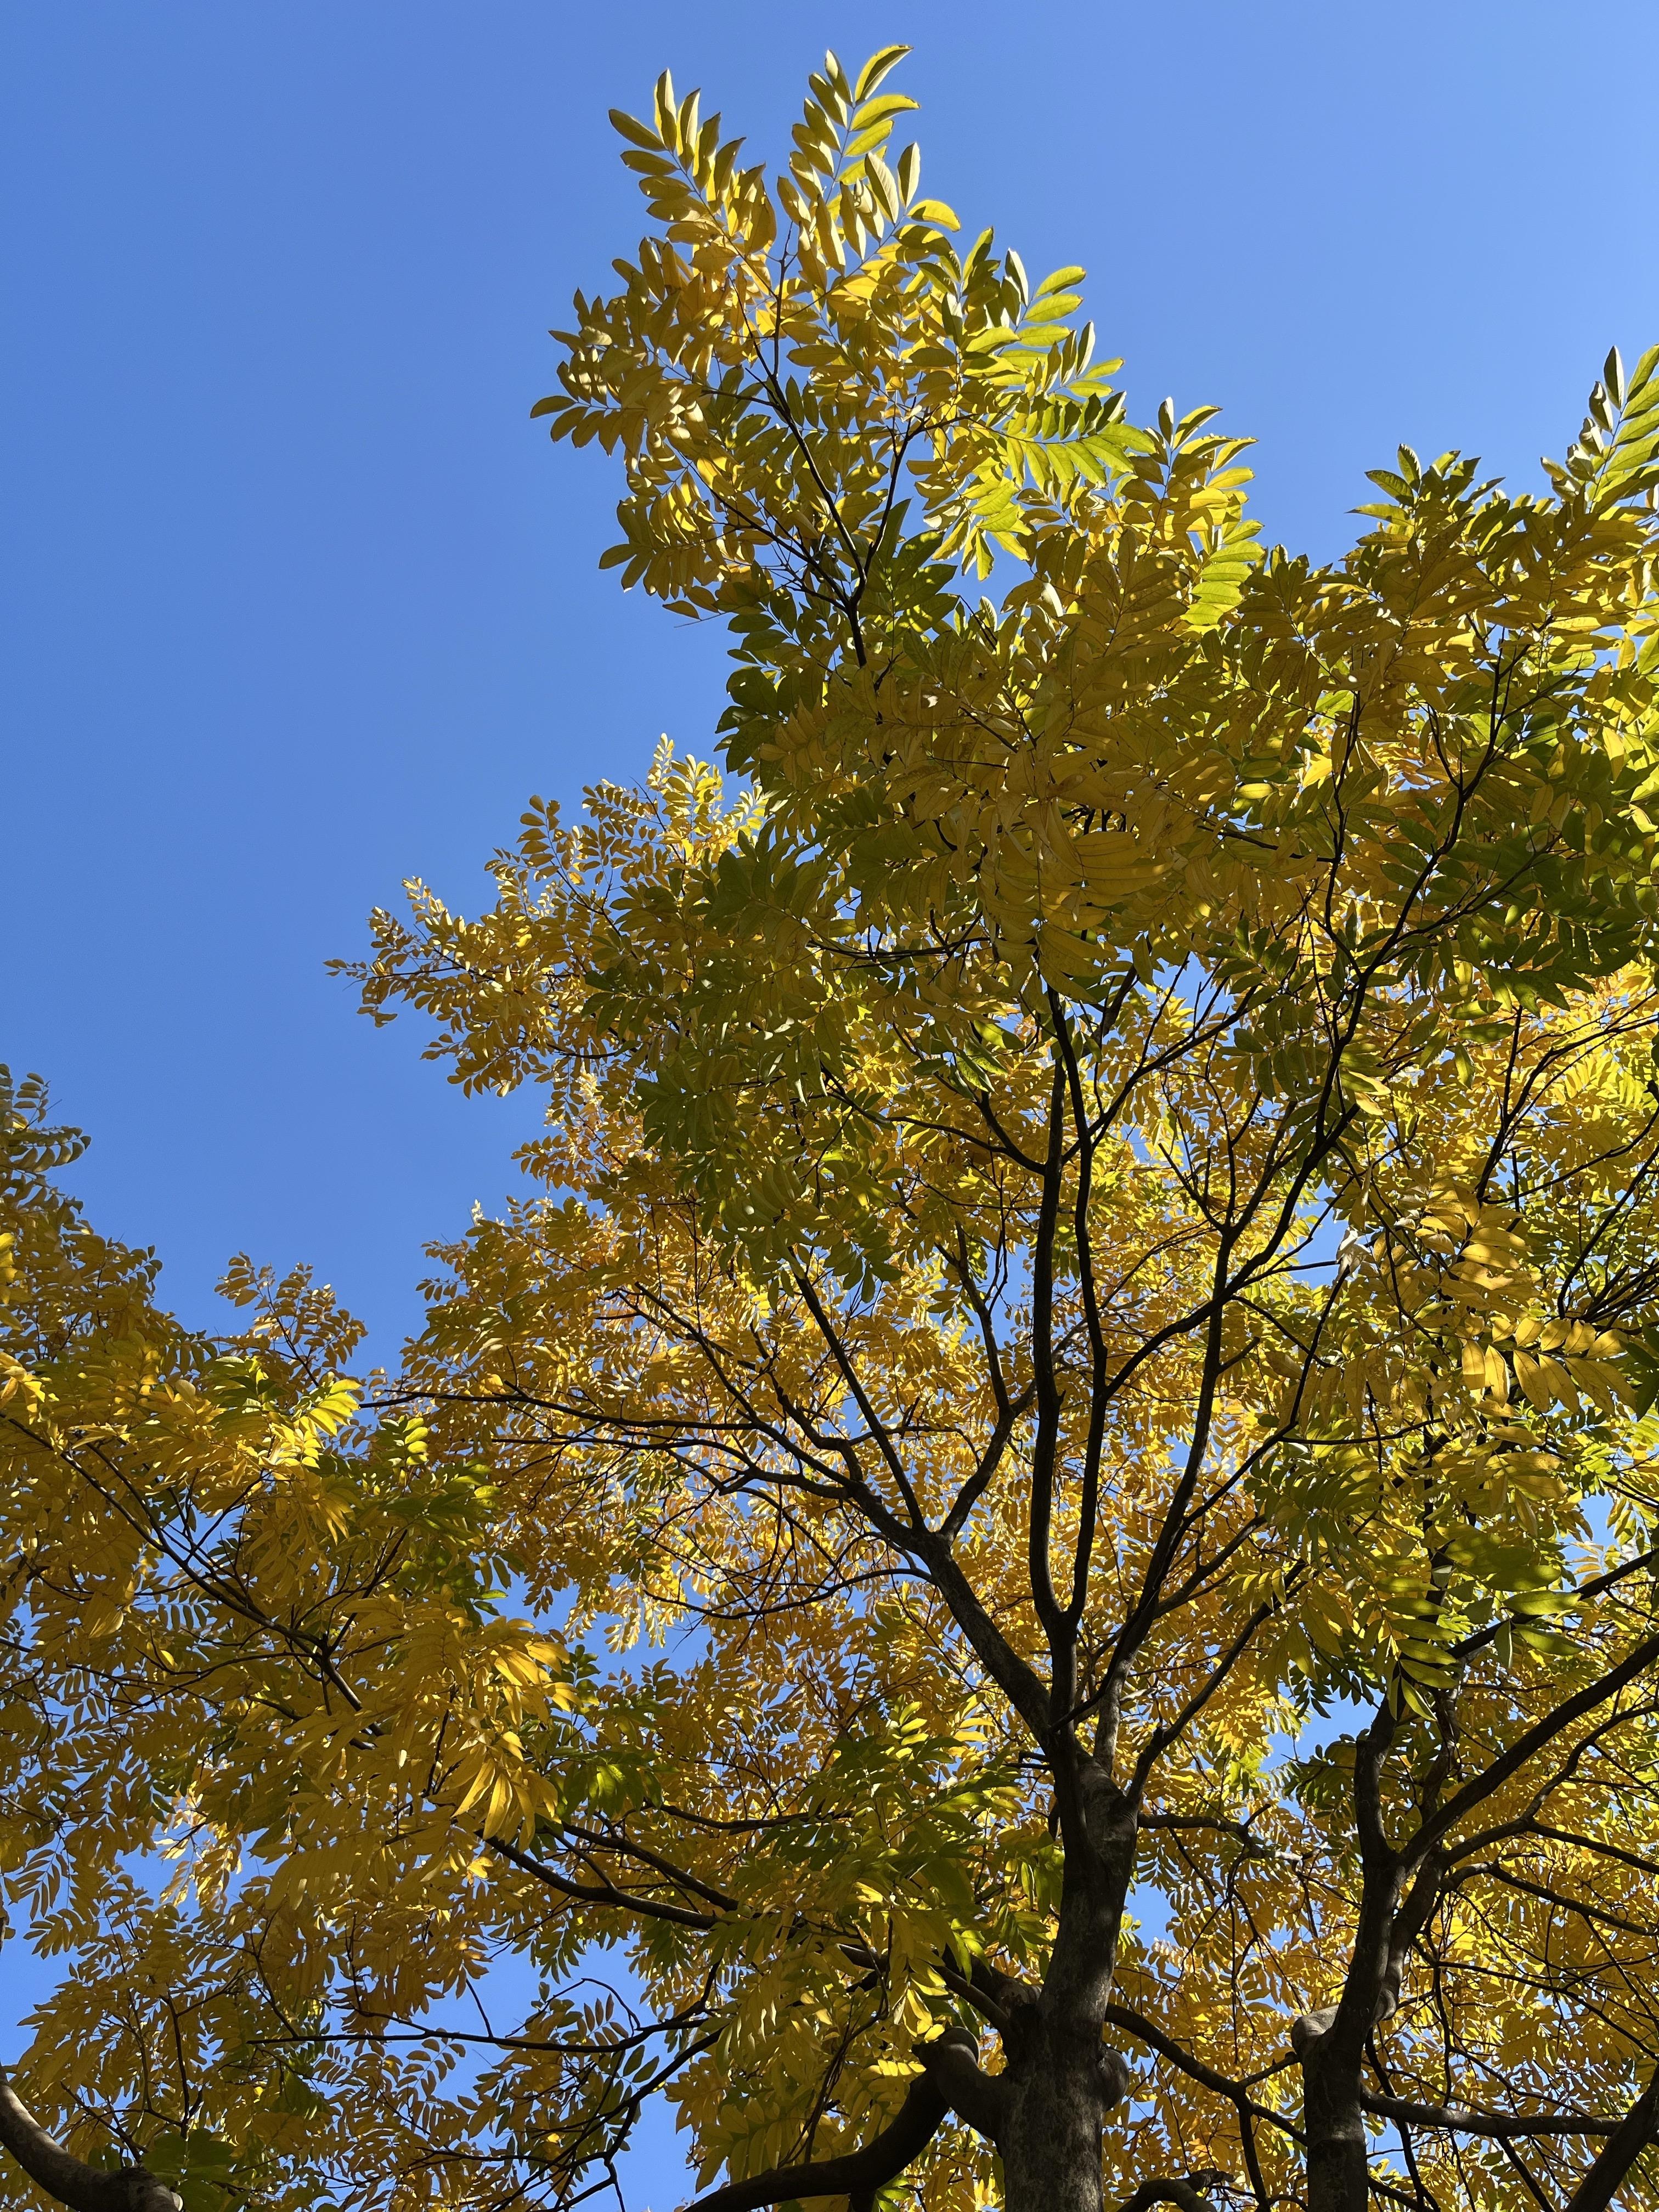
x,y
1025,1573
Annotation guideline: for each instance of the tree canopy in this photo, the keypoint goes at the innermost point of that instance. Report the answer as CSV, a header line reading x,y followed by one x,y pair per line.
x,y
1025,1573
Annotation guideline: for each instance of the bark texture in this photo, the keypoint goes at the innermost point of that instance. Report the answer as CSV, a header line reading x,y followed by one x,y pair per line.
x,y
1338,2158
1060,2089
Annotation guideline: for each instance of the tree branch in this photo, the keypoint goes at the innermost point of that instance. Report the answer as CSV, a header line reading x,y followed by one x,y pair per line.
x,y
1595,2193
1137,2023
952,2082
1527,1745
1464,2120
83,2188
1186,2195
857,2176
650,1908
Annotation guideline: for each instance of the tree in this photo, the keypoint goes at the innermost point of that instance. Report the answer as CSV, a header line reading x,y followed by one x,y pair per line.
x,y
1087,1312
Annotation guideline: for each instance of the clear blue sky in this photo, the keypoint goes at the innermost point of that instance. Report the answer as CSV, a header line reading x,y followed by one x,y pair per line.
x,y
298,602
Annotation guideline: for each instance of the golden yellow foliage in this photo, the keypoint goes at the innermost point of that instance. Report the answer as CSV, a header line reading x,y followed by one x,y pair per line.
x,y
1084,1326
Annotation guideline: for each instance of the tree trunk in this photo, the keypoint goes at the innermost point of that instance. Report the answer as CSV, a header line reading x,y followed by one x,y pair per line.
x,y
1059,2093
1338,2154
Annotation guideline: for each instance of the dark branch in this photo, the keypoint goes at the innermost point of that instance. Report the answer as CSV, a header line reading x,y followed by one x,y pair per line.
x,y
1463,2120
1187,2195
623,1901
952,2081
1528,1745
83,2188
1595,2193
1137,2023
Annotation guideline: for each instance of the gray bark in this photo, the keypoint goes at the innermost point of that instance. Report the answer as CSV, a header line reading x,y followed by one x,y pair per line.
x,y
1338,2165
1061,2089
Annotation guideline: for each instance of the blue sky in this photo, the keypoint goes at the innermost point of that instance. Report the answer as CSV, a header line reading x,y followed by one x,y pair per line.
x,y
298,602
